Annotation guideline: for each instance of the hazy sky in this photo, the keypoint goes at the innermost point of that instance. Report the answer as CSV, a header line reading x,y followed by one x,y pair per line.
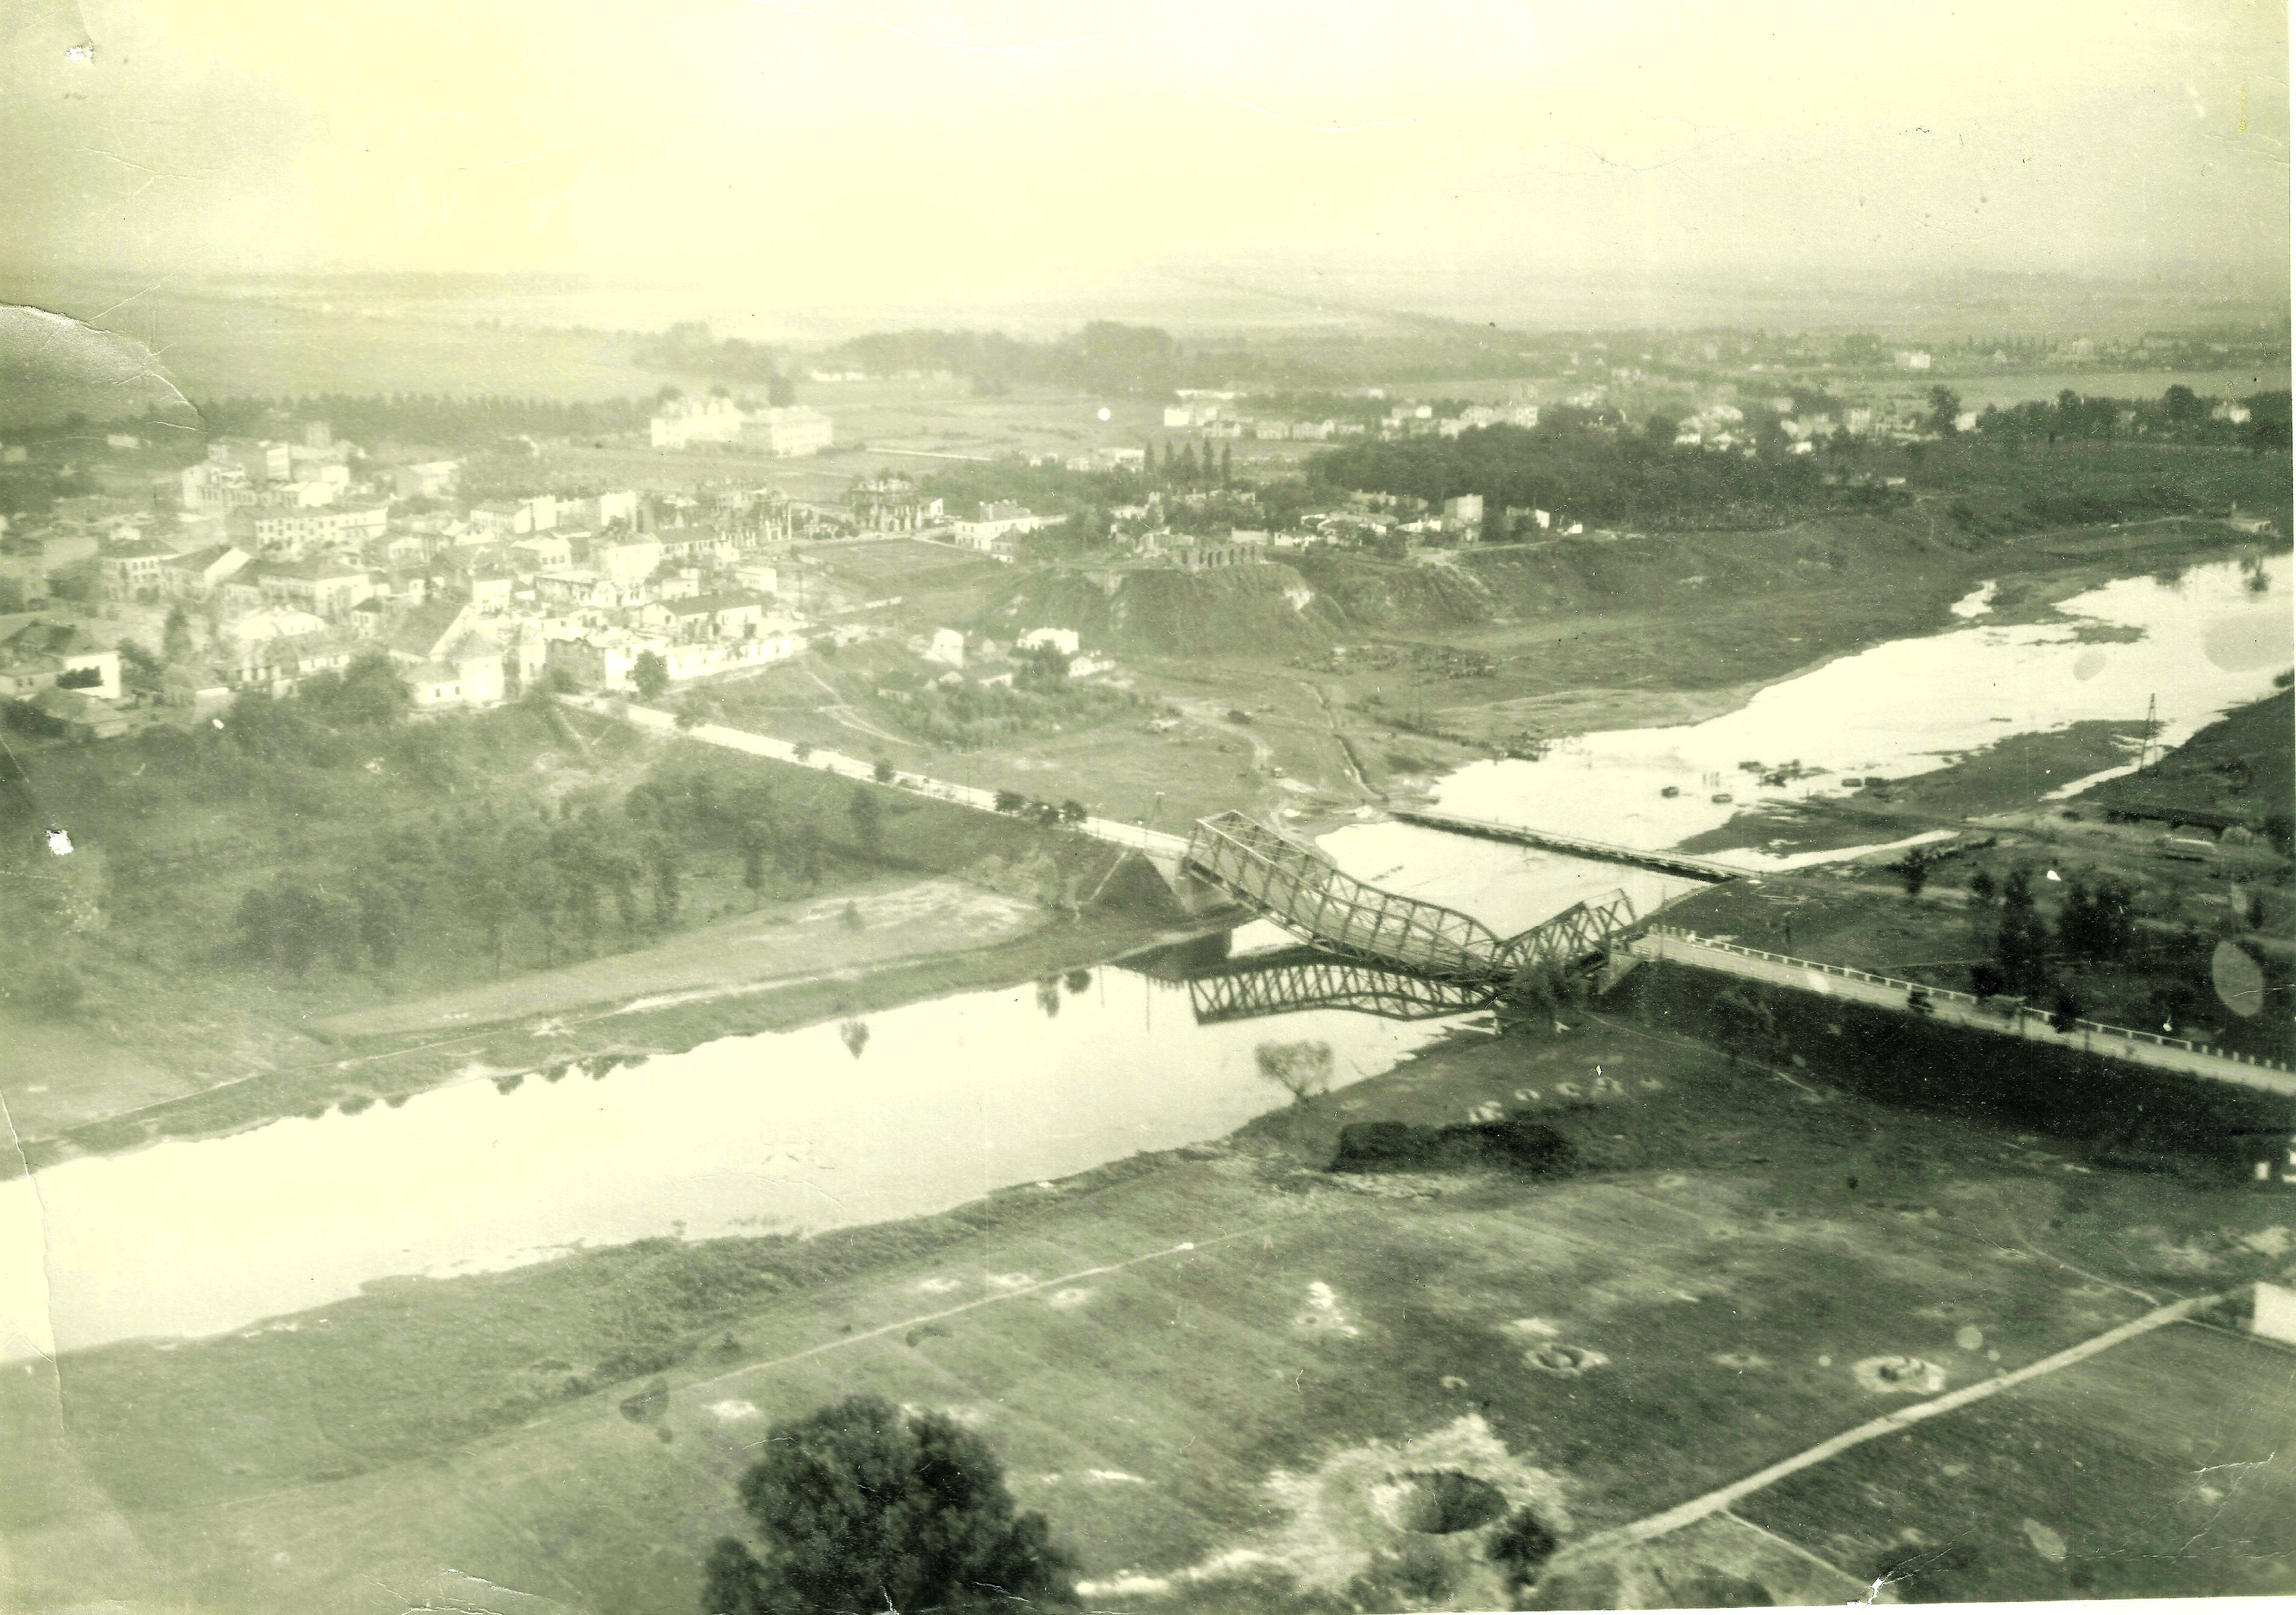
x,y
857,149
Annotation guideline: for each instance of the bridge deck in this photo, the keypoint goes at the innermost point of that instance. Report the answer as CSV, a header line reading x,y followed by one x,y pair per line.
x,y
1304,891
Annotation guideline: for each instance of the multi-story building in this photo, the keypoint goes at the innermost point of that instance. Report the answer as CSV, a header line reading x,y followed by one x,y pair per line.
x,y
199,573
293,534
128,569
793,430
429,480
629,559
214,485
262,461
683,423
998,519
323,587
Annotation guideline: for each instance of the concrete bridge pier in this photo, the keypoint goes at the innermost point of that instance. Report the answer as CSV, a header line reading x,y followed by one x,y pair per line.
x,y
1195,895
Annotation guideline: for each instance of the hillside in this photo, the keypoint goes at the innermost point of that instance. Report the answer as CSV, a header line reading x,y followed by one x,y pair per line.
x,y
1268,610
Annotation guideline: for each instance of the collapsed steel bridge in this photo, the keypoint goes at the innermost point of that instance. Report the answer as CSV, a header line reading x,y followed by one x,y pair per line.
x,y
1301,889
1307,979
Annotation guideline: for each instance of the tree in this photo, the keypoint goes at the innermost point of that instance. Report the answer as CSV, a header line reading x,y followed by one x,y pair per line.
x,y
753,861
1011,801
662,865
487,901
1981,888
252,921
368,691
297,926
541,892
863,812
583,908
864,1508
650,676
2064,1012
139,669
381,923
176,638
1301,1070
882,773
2098,920
1914,870
1945,410
1073,812
2022,944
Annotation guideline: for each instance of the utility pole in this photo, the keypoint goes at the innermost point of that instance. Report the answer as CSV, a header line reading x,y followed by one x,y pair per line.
x,y
2144,758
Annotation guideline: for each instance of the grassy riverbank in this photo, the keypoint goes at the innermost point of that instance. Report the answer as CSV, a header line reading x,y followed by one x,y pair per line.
x,y
147,919
1202,1364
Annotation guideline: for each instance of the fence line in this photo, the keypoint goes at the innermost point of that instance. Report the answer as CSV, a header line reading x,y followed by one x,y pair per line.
x,y
2018,1011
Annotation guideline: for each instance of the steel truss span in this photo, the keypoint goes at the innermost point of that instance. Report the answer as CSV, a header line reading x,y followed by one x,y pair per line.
x,y
1299,978
1302,890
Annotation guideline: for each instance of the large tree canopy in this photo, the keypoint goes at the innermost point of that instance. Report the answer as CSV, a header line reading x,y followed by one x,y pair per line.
x,y
864,1508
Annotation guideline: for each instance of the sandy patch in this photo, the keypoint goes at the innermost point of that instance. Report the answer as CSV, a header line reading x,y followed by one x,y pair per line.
x,y
1536,1328
1112,1476
1344,1514
2270,1242
2045,1542
1126,1587
1563,1362
1324,1314
1066,1299
1741,1361
1899,1376
1011,1281
1969,1337
726,1411
939,1286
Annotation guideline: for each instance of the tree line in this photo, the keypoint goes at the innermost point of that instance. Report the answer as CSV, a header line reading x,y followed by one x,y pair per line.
x,y
1628,478
465,424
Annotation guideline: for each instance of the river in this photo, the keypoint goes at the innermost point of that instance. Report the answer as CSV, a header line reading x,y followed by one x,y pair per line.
x,y
918,1110
946,1100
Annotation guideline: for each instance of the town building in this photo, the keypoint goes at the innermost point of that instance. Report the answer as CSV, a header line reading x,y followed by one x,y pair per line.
x,y
682,422
127,571
296,533
40,655
1064,640
795,429
322,586
427,479
998,518
197,574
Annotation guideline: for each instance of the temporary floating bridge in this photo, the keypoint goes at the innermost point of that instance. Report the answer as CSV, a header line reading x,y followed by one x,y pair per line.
x,y
1301,889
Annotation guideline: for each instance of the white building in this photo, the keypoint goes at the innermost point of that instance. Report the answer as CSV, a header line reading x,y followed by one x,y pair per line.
x,y
793,430
429,479
1064,640
683,423
998,519
339,526
948,646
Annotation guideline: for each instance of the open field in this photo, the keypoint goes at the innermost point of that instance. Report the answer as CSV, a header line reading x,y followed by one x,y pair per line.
x,y
2159,1469
1179,1357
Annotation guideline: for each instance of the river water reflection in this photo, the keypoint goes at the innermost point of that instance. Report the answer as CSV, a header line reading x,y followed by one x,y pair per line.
x,y
783,1131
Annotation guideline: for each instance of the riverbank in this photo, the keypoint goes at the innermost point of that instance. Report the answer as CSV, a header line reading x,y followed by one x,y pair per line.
x,y
1202,1364
849,977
